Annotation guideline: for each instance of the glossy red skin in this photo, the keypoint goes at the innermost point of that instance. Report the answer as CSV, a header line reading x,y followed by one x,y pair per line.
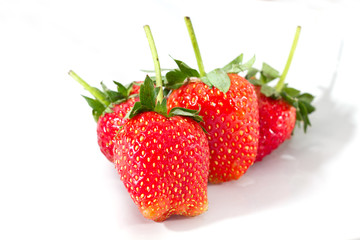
x,y
163,163
108,125
231,121
277,121
136,87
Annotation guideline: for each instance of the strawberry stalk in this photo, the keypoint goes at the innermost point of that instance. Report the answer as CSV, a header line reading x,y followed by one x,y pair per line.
x,y
195,46
155,57
279,86
98,95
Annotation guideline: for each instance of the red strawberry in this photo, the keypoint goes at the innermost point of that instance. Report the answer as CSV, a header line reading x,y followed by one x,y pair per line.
x,y
279,107
229,108
164,164
231,120
109,110
277,121
163,158
108,125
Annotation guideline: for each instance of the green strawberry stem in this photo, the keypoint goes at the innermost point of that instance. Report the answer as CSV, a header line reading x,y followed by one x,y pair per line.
x,y
95,92
281,82
155,57
195,46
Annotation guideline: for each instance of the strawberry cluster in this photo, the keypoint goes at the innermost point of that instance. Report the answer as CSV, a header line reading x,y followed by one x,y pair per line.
x,y
171,135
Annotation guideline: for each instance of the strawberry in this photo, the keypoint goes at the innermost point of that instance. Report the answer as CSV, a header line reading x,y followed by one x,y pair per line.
x,y
109,110
164,164
230,118
279,107
277,121
163,158
229,109
108,125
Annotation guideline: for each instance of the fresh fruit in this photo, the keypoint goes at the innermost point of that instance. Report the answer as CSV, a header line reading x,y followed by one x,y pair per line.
x,y
108,125
164,162
229,108
279,107
277,120
163,158
230,118
109,109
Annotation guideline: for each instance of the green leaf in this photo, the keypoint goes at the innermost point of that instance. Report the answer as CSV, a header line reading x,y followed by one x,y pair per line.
x,y
188,71
96,115
147,93
136,109
248,65
161,107
236,65
99,92
302,103
310,108
94,104
97,106
255,82
219,79
251,73
236,61
291,91
109,108
194,114
148,102
129,88
122,90
269,72
306,97
175,79
304,115
288,99
269,91
206,80
111,95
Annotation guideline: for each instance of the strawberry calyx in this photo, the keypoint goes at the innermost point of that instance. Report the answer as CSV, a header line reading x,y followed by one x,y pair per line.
x,y
301,101
237,65
218,77
148,103
104,100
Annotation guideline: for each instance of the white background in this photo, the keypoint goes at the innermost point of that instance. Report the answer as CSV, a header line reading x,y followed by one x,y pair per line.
x,y
55,183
